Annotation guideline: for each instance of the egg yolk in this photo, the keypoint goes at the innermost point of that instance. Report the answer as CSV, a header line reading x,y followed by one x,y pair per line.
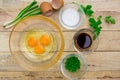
x,y
32,42
39,49
45,40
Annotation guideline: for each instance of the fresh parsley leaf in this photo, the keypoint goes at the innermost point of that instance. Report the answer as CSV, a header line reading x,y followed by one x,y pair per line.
x,y
92,20
88,7
112,21
95,24
82,7
109,19
99,22
99,17
87,10
97,31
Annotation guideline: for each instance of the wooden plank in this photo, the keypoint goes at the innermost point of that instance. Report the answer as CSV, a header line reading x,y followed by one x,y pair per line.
x,y
4,17
50,74
98,61
102,65
106,41
110,8
57,75
101,5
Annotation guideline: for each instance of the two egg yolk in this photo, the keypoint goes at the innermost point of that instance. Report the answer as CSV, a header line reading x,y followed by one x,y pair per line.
x,y
39,45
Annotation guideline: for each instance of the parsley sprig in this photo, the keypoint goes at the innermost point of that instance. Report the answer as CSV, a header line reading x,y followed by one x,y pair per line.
x,y
96,25
87,9
109,19
93,22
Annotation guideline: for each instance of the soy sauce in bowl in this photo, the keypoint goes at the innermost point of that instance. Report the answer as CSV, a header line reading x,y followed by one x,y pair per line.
x,y
83,41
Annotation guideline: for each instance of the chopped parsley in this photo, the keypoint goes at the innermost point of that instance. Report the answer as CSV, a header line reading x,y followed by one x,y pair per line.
x,y
72,64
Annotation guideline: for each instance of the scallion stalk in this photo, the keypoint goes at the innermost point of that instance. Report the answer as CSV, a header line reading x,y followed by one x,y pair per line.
x,y
31,10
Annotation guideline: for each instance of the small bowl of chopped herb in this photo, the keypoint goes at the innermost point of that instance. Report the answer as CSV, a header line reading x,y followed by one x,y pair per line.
x,y
73,66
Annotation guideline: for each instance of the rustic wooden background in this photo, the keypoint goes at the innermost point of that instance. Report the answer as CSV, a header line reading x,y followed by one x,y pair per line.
x,y
103,64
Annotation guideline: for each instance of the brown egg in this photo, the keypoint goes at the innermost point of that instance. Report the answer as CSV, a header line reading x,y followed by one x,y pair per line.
x,y
46,8
57,4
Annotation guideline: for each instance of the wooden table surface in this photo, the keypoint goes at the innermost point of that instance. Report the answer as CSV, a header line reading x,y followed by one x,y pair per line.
x,y
103,64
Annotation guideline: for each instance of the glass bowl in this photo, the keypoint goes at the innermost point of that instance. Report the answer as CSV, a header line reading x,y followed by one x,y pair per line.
x,y
79,73
79,11
26,57
94,42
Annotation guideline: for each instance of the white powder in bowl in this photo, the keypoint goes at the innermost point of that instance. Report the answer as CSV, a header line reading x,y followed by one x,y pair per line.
x,y
70,17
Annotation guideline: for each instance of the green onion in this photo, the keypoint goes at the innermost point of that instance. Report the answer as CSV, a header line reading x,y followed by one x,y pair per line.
x,y
30,10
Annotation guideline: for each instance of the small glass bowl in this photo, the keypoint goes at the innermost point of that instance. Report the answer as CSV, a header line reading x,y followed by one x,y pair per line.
x,y
79,73
80,12
94,43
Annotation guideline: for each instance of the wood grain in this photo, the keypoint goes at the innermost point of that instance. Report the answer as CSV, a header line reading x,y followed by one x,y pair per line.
x,y
103,64
48,75
104,8
97,61
106,40
5,17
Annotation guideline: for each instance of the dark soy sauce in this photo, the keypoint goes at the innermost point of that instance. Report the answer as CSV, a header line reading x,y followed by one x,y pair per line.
x,y
83,40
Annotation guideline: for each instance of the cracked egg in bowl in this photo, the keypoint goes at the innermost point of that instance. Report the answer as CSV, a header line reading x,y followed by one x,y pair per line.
x,y
36,43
